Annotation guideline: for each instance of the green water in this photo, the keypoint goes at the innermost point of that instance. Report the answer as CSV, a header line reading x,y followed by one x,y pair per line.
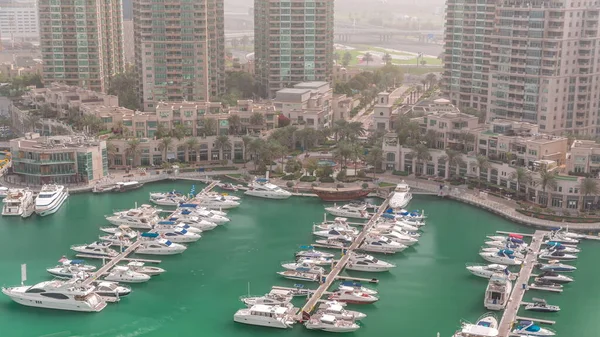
x,y
429,291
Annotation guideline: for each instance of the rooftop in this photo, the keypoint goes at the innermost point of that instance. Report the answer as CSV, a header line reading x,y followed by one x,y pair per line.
x,y
311,85
34,140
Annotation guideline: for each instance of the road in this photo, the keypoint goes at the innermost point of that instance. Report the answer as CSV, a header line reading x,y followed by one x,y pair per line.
x,y
366,117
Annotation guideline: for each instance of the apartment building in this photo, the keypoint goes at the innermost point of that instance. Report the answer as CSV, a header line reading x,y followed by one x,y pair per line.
x,y
584,158
179,50
19,21
453,130
11,70
81,42
307,103
246,108
293,42
57,160
534,61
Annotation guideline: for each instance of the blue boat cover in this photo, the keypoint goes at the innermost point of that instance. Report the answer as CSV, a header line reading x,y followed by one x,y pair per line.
x,y
186,211
168,243
166,222
183,231
554,244
533,328
389,210
388,216
515,240
403,213
149,235
188,205
507,251
77,261
306,247
299,286
262,180
486,324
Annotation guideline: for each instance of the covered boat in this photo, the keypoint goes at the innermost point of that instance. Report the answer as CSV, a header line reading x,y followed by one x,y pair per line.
x,y
340,193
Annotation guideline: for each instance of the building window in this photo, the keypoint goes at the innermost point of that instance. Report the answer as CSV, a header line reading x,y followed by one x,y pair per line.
x,y
557,202
572,204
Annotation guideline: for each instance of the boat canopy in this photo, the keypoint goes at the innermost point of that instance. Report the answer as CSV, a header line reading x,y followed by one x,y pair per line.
x,y
388,216
149,235
77,261
484,323
554,244
306,247
128,183
188,205
262,180
515,240
186,212
166,222
516,236
506,251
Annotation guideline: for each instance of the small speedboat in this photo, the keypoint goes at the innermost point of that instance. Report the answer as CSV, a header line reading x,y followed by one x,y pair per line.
x,y
173,193
111,289
508,245
193,221
338,310
140,267
330,323
502,256
556,255
559,237
557,246
401,238
227,187
341,241
486,326
554,277
304,267
124,274
353,296
486,270
381,244
69,271
546,284
179,235
397,226
336,231
310,252
518,255
202,214
172,225
528,328
95,248
317,261
352,210
556,266
350,285
367,263
116,240
79,263
167,201
276,297
539,304
299,276
159,247
122,230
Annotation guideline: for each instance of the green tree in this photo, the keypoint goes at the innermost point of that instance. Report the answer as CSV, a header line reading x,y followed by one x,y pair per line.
x,y
431,80
409,132
222,143
293,166
164,146
375,158
124,86
245,40
254,147
547,180
357,154
307,138
111,150
92,123
133,151
246,141
191,144
421,154
453,160
367,57
343,151
180,131
257,120
209,126
311,165
482,164
522,177
235,124
387,58
588,186
346,59
240,83
161,130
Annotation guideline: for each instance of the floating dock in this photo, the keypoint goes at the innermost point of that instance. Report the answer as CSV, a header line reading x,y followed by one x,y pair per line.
x,y
337,269
522,284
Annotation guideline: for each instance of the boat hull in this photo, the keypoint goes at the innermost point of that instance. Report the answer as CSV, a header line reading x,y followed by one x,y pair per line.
x,y
127,279
341,195
272,323
48,303
161,251
54,207
371,269
350,328
267,195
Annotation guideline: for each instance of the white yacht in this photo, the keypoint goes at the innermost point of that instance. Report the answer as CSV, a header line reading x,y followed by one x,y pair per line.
x,y
261,187
275,297
50,198
502,256
529,328
142,217
551,276
264,315
18,202
557,246
399,237
330,323
202,213
70,268
363,262
96,248
116,240
172,225
381,244
179,235
338,310
305,267
310,252
153,245
56,294
350,285
317,260
109,289
486,326
167,201
201,224
486,270
352,210
497,292
396,225
401,196
216,202
555,265
3,192
139,267
555,255
353,297
123,231
334,231
126,275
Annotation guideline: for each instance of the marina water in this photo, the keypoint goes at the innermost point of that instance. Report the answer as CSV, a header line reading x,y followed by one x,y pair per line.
x,y
430,291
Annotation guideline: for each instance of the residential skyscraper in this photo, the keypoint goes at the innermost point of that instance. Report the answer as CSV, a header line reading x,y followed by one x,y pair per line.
x,y
179,50
19,20
293,42
530,60
81,41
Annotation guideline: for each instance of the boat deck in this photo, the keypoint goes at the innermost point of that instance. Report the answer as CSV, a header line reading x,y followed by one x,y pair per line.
x,y
514,302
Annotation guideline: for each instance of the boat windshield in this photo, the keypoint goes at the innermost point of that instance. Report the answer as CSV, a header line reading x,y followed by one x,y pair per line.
x,y
484,323
46,195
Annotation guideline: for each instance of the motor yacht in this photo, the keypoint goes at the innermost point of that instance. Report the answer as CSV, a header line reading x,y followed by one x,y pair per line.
x,y
353,297
111,289
261,188
507,245
124,186
204,214
96,248
124,274
18,202
502,256
486,326
50,198
554,277
399,237
541,283
330,323
123,231
227,187
70,268
560,237
216,202
304,267
336,231
116,240
179,235
367,263
317,261
381,244
172,225
352,210
350,285
395,225
338,310
57,294
486,270
555,265
265,315
153,245
3,192
517,254
539,304
340,241
196,207
555,255
497,292
528,328
401,196
140,267
193,221
173,193
142,217
171,201
299,276
412,215
276,298
557,246
310,252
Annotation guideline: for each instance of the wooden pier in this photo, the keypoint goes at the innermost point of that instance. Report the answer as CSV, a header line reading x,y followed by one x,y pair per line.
x,y
514,302
210,186
337,269
113,262
87,256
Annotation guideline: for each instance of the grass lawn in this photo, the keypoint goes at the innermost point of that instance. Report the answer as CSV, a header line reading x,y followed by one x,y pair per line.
x,y
235,175
412,58
421,70
384,184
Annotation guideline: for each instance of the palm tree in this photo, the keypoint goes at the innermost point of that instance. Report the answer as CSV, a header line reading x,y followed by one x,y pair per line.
x,y
257,120
589,186
340,129
357,154
387,58
133,150
246,141
254,147
421,153
547,179
222,143
368,57
161,131
481,164
165,145
521,176
343,151
180,131
111,150
356,130
307,138
191,144
431,79
235,124
209,127
375,158
454,159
